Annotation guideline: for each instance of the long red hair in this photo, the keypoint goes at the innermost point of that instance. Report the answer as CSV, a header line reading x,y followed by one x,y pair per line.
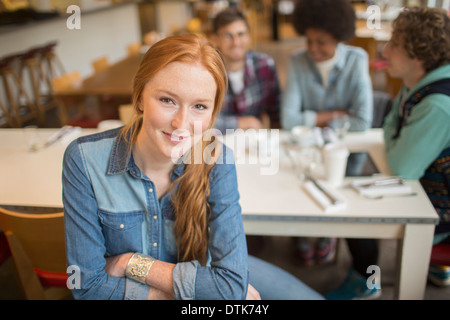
x,y
191,189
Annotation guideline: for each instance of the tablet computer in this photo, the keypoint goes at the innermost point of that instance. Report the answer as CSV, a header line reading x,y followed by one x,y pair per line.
x,y
360,164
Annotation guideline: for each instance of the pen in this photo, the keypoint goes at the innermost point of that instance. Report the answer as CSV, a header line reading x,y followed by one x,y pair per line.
x,y
382,182
57,136
318,186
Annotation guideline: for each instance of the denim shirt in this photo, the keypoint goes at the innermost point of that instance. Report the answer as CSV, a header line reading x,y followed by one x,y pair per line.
x,y
111,208
349,88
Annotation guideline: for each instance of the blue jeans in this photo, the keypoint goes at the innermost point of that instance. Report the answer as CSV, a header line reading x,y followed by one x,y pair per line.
x,y
274,283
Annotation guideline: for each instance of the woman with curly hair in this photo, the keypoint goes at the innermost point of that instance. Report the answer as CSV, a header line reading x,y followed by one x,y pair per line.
x,y
417,131
329,79
325,82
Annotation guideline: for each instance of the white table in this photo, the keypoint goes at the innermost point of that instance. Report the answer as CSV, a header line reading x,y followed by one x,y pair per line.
x,y
31,178
278,205
271,204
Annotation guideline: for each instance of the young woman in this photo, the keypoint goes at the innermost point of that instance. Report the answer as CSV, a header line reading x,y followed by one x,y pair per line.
x,y
145,217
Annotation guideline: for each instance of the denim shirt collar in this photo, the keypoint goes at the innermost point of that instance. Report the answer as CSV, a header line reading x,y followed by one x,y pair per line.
x,y
341,51
121,159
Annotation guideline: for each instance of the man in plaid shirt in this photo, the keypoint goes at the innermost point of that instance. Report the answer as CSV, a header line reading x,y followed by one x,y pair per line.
x,y
253,92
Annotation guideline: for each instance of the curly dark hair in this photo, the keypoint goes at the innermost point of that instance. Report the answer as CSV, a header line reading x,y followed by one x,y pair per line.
x,y
425,35
336,17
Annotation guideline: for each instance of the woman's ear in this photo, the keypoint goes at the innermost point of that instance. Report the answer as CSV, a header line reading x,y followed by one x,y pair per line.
x,y
140,106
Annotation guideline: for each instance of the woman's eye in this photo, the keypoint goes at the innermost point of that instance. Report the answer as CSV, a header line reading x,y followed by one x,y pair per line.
x,y
200,107
166,100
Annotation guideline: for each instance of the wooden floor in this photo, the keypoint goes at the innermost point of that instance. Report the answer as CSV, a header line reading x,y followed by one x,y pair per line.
x,y
326,277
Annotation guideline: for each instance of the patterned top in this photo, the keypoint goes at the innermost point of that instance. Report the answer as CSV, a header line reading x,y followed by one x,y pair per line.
x,y
261,93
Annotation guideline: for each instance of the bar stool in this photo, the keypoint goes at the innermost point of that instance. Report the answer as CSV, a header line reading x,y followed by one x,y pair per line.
x,y
6,120
51,64
16,93
40,84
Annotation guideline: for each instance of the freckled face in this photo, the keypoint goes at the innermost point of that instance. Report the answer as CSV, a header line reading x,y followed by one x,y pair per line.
x,y
177,105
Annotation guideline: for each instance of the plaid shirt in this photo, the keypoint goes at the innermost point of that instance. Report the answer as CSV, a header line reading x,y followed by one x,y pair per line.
x,y
261,92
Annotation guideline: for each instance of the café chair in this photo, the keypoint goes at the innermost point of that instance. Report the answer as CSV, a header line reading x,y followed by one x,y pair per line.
x,y
105,101
100,64
134,48
5,253
440,254
440,264
150,38
66,82
126,113
37,246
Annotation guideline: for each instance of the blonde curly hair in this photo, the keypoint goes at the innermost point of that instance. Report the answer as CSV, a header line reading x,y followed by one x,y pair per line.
x,y
425,35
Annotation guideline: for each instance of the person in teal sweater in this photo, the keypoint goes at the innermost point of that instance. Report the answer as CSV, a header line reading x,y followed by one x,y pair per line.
x,y
417,130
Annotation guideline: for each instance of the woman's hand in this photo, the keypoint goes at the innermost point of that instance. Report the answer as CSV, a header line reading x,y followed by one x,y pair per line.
x,y
252,294
324,117
116,265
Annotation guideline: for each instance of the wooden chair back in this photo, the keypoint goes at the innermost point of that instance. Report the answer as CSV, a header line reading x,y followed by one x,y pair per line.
x,y
100,64
134,48
126,113
68,80
36,241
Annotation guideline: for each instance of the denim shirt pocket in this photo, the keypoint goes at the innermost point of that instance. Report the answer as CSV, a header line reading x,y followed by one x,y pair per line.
x,y
122,231
170,244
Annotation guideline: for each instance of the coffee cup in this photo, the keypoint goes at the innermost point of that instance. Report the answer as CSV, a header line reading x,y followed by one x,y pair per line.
x,y
335,157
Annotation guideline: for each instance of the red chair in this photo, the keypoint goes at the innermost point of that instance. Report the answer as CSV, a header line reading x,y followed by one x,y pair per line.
x,y
440,254
439,270
5,253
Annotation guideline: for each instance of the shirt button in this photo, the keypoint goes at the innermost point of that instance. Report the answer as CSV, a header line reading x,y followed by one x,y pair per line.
x,y
155,217
155,244
121,226
150,190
